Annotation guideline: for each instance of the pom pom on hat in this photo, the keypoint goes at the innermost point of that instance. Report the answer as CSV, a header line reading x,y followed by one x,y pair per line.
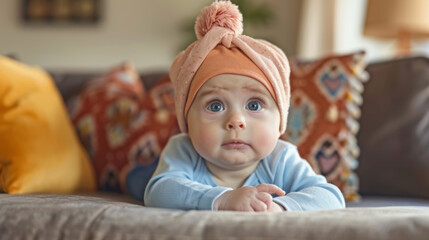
x,y
222,14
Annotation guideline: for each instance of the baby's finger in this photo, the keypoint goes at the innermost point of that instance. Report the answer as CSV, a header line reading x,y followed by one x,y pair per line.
x,y
258,206
270,188
265,197
245,208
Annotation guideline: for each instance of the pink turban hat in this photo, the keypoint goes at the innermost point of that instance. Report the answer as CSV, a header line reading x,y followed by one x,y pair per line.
x,y
221,24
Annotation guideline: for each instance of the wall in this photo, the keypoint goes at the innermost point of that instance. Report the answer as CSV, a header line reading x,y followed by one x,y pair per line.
x,y
316,33
350,19
147,33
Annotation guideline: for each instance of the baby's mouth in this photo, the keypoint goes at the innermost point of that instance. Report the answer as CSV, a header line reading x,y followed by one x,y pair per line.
x,y
235,144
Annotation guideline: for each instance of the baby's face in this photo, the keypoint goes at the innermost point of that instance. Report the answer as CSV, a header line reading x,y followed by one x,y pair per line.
x,y
233,122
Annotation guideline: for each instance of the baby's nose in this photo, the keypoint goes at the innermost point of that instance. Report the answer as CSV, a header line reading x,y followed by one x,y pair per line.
x,y
236,121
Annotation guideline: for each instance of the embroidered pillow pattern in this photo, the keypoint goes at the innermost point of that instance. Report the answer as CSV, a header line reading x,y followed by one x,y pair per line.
x,y
322,122
120,125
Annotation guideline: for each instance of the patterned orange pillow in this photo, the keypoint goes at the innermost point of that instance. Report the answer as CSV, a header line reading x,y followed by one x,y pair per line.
x,y
121,125
322,121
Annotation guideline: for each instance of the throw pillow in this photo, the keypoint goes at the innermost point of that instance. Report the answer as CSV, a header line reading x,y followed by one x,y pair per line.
x,y
123,126
322,121
39,150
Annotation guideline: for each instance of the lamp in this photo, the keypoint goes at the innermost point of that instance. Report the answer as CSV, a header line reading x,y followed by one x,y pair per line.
x,y
400,19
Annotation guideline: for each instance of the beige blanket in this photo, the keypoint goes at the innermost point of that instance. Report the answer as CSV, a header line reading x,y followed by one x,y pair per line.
x,y
84,217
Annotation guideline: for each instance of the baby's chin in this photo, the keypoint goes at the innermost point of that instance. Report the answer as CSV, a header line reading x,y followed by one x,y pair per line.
x,y
235,164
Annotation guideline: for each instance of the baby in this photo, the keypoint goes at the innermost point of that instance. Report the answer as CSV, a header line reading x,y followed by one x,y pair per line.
x,y
232,96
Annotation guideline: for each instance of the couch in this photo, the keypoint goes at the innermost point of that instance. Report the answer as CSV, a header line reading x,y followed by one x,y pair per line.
x,y
393,172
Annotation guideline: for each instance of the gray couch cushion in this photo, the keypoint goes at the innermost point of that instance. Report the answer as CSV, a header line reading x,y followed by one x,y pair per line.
x,y
383,201
81,217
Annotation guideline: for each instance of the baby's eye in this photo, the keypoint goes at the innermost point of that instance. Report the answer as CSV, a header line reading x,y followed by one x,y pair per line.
x,y
215,107
254,105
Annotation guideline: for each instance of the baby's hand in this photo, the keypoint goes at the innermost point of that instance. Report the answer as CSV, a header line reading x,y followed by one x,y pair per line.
x,y
248,199
275,207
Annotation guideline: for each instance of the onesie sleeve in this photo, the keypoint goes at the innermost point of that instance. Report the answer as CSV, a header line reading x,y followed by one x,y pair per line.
x,y
173,184
305,190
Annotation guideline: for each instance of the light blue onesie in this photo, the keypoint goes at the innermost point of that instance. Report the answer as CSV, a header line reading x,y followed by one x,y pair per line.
x,y
182,180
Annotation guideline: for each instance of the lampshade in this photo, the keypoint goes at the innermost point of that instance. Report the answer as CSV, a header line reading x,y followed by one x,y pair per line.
x,y
393,18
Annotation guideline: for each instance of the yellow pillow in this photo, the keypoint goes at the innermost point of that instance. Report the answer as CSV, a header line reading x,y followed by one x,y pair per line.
x,y
39,150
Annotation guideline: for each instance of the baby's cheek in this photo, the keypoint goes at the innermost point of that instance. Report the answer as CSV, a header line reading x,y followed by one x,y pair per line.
x,y
204,142
266,140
